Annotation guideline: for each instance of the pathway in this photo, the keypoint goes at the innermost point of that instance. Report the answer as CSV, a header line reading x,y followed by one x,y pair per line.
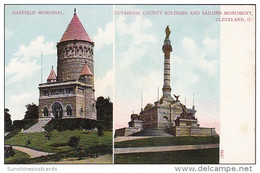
x,y
33,153
127,138
38,127
163,148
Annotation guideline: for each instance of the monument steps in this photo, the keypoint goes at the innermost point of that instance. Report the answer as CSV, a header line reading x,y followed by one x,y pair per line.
x,y
151,132
38,127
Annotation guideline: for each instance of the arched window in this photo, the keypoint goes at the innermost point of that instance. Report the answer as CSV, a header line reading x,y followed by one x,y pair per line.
x,y
69,110
165,117
45,112
57,110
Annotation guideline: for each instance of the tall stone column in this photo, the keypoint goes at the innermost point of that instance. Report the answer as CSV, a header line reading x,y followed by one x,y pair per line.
x,y
167,49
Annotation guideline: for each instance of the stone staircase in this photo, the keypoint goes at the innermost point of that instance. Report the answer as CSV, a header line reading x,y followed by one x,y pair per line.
x,y
38,127
151,132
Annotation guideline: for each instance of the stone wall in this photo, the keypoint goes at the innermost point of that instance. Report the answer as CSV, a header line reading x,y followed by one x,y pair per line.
x,y
90,104
127,131
192,131
149,118
164,113
64,101
81,100
72,56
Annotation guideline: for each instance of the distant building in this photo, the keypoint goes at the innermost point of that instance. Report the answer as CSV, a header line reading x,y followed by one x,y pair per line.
x,y
71,93
168,113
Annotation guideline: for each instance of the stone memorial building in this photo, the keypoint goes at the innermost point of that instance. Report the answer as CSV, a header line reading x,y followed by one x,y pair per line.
x,y
71,93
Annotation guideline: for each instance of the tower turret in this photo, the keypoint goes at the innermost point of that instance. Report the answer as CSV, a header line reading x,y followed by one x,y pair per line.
x,y
75,49
86,76
52,76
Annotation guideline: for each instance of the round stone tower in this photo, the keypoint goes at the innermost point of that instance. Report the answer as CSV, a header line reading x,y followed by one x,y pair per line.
x,y
74,51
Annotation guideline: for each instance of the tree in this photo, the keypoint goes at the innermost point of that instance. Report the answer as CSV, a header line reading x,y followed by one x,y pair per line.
x,y
8,121
105,111
48,129
74,141
32,111
100,131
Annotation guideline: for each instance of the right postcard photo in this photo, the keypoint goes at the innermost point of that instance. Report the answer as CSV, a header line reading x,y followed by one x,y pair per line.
x,y
181,72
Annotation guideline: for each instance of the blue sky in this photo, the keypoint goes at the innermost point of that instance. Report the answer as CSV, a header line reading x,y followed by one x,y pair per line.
x,y
194,60
26,36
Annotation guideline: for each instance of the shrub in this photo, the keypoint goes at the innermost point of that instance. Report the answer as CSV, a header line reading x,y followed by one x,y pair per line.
x,y
100,127
8,121
62,144
100,132
48,131
72,124
9,152
74,141
11,134
24,124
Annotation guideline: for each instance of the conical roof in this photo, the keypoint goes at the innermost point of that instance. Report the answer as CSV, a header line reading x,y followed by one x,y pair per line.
x,y
52,75
75,31
86,71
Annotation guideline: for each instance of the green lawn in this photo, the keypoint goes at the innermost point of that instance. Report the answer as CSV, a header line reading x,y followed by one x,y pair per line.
x,y
168,141
203,156
90,145
17,158
39,142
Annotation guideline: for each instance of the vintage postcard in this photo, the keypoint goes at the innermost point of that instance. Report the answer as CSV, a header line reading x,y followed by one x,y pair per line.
x,y
135,84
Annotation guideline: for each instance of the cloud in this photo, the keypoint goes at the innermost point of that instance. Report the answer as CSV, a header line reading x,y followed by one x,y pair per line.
x,y
200,56
136,33
136,29
35,48
104,37
24,64
188,43
211,44
18,98
8,33
102,84
17,70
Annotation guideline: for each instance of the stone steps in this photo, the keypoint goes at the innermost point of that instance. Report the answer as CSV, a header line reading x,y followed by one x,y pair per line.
x,y
38,127
151,132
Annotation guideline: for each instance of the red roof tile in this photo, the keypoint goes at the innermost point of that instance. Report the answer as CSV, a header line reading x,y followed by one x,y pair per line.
x,y
86,71
75,31
52,75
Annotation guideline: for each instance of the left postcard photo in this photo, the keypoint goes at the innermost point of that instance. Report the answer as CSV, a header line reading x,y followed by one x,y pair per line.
x,y
58,87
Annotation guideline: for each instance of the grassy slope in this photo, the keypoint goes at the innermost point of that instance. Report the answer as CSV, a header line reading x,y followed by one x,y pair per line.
x,y
168,141
39,142
204,156
19,156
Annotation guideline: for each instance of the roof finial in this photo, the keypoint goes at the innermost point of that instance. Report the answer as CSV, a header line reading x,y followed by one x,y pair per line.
x,y
52,67
74,11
